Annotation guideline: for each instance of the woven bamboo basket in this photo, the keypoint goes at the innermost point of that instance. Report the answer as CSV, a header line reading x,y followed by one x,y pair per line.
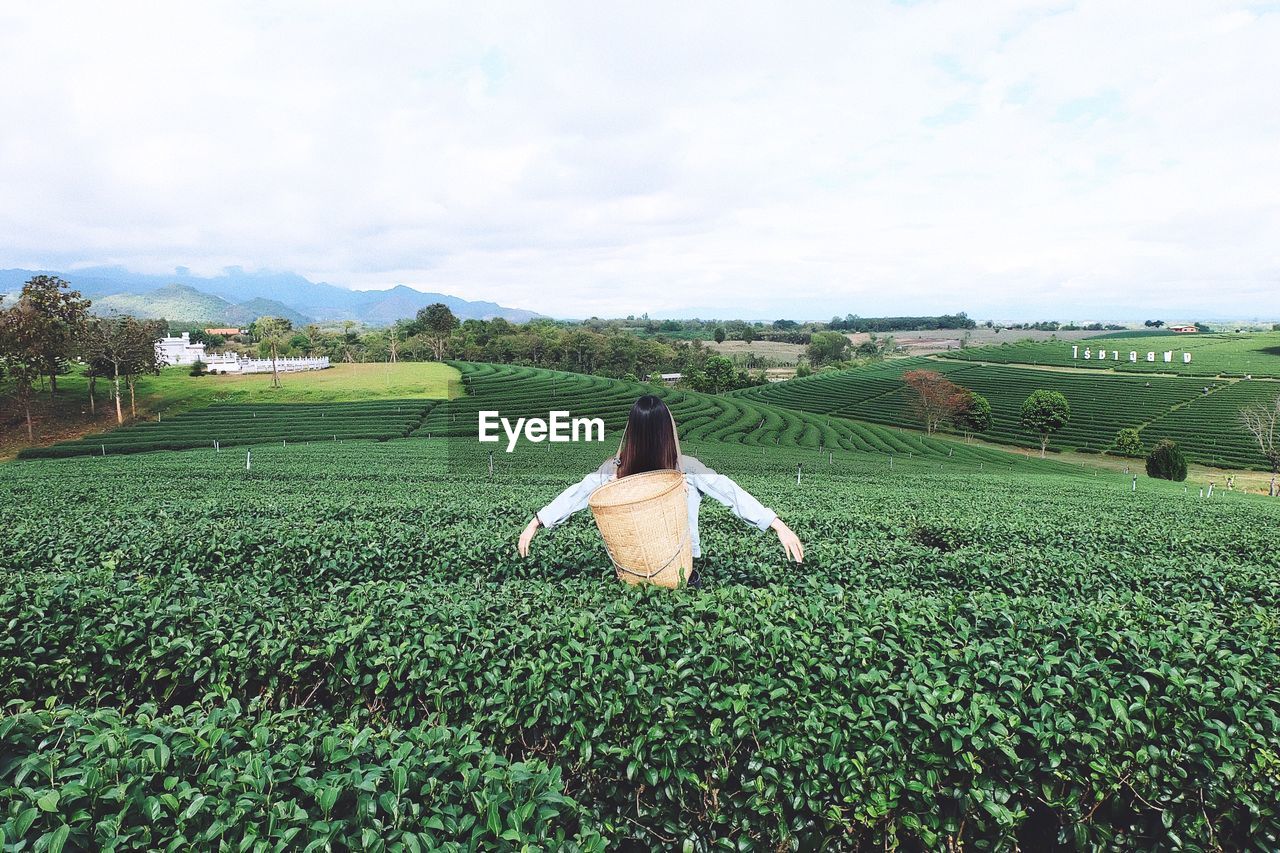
x,y
644,520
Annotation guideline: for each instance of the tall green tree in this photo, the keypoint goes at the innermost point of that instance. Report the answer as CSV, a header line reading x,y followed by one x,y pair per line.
x,y
60,313
107,344
1044,413
272,332
827,347
973,413
437,323
141,357
718,374
22,353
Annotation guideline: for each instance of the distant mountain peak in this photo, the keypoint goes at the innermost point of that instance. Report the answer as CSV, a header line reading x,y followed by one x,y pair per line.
x,y
285,294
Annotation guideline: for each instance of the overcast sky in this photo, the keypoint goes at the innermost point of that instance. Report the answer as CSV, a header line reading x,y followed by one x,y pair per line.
x,y
1013,159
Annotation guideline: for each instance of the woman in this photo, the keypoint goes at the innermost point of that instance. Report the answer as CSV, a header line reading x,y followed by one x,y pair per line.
x,y
650,443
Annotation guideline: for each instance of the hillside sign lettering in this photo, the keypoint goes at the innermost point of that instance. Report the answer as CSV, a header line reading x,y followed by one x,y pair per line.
x,y
1101,355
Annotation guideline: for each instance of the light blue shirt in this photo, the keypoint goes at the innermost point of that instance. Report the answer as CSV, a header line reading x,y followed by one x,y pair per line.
x,y
701,479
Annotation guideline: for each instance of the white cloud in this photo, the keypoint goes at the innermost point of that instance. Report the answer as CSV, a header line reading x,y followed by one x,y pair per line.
x,y
1016,159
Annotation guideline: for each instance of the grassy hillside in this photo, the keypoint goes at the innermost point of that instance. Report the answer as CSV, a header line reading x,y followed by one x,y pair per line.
x,y
341,647
1234,355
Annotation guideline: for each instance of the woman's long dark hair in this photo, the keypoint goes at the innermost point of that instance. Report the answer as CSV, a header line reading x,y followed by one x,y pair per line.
x,y
650,443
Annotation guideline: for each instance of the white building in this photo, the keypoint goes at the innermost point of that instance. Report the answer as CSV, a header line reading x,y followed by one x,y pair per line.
x,y
229,362
180,351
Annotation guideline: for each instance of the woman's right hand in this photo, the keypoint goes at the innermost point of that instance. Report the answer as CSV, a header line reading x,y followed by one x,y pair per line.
x,y
527,536
790,541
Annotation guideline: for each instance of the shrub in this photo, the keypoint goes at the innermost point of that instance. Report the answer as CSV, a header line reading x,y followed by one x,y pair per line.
x,y
1166,462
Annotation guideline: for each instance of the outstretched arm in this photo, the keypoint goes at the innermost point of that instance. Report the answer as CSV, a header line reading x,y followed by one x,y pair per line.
x,y
742,504
565,504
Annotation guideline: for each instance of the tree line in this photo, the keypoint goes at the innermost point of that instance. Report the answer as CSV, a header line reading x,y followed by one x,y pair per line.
x,y
49,325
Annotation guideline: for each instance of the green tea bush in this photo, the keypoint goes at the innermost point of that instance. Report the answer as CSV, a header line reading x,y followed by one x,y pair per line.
x,y
973,655
215,775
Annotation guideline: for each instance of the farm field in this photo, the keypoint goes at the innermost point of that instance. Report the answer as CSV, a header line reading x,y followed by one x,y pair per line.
x,y
340,647
528,391
234,424
1209,428
1233,355
1207,425
776,352
174,391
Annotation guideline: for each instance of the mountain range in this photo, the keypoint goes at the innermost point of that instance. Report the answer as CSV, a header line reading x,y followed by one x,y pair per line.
x,y
238,297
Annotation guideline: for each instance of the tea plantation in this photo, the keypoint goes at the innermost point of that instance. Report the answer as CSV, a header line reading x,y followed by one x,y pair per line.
x,y
1202,415
340,649
1228,355
529,391
235,424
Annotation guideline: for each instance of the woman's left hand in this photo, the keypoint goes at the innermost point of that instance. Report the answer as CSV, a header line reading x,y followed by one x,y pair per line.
x,y
527,536
790,542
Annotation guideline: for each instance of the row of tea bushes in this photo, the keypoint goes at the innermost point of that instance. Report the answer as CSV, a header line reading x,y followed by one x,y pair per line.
x,y
215,775
237,424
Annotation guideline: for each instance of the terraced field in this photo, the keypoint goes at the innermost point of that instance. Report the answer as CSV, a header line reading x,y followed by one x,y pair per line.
x,y
531,392
837,393
256,423
1226,355
1100,405
1209,428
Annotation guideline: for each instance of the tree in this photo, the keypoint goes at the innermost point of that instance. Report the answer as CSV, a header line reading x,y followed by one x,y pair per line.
x,y
141,356
271,331
1129,443
1044,413
59,315
719,334
1262,420
107,346
1166,462
973,413
937,399
749,333
396,336
22,353
437,323
826,347
717,375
